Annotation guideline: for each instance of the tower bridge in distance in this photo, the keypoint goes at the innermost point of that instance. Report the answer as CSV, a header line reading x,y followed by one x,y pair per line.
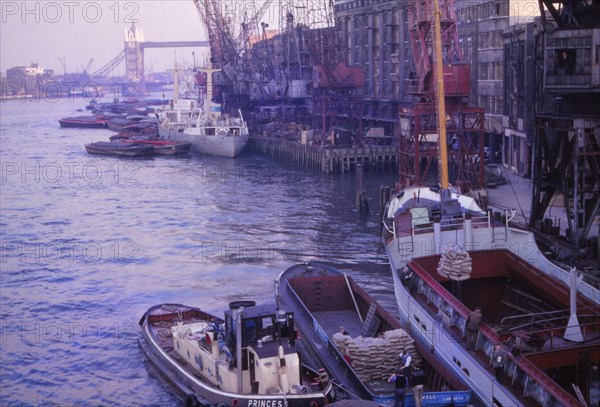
x,y
134,53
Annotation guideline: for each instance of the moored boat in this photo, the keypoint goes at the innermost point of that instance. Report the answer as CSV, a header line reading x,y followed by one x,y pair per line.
x,y
127,107
117,123
248,358
119,149
540,326
552,350
363,357
209,131
176,115
162,147
143,129
224,137
84,122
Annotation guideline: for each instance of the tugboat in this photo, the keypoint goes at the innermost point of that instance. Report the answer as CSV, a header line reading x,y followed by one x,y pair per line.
x,y
249,358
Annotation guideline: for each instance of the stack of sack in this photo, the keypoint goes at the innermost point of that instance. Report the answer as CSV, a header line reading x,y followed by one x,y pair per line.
x,y
377,358
455,264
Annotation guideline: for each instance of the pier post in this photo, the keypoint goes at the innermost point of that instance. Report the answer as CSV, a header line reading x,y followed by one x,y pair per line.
x,y
362,201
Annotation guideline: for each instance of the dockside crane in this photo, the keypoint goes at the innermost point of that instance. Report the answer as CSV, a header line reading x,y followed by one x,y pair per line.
x,y
223,52
227,50
251,73
250,27
566,142
421,147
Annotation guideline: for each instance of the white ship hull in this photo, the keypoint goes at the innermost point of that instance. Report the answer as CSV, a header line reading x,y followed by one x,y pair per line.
x,y
217,145
475,234
221,146
203,125
428,330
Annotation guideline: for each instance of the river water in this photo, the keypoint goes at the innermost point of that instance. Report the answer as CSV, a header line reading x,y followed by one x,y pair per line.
x,y
89,243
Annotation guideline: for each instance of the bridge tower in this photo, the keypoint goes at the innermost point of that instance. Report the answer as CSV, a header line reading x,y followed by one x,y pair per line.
x,y
134,56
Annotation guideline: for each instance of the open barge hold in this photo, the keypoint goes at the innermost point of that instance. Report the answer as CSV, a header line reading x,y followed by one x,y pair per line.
x,y
363,358
553,354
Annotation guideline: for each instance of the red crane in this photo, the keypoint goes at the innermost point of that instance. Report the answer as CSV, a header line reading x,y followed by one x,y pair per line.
x,y
420,124
223,50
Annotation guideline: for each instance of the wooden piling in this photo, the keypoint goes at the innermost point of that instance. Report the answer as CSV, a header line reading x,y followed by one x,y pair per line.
x,y
326,159
362,200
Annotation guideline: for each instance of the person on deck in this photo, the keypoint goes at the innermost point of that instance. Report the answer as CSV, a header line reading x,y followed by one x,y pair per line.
x,y
417,380
347,357
498,359
401,382
407,279
405,360
473,328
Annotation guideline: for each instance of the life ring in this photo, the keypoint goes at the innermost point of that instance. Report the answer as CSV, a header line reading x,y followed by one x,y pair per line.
x,y
314,404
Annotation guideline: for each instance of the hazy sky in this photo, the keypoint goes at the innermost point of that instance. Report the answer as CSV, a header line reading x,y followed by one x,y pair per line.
x,y
79,30
43,31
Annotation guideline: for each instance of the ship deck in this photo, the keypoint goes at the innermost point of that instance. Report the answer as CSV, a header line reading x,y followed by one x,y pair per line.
x,y
330,321
334,302
159,326
522,309
404,225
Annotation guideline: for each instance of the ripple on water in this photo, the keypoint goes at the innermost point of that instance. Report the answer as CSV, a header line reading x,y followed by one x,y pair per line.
x,y
85,253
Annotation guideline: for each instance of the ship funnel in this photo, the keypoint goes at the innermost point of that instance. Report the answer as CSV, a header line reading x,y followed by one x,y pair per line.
x,y
281,316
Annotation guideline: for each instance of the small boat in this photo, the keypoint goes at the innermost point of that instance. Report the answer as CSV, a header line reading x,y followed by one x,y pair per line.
x,y
249,358
363,357
162,147
147,130
119,149
117,123
93,122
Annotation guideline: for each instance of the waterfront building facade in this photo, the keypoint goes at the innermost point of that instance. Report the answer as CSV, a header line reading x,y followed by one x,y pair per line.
x,y
480,28
26,80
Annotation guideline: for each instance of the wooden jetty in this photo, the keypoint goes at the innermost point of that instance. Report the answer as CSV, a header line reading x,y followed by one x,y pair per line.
x,y
326,159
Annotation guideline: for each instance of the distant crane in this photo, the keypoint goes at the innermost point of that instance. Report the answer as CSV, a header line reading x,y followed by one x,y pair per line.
x,y
63,63
85,70
110,66
150,68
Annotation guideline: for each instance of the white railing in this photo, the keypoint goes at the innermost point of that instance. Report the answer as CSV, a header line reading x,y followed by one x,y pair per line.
x,y
483,220
392,230
452,223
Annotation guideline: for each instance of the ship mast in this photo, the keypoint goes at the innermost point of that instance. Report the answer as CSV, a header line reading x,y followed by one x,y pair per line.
x,y
439,64
440,101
